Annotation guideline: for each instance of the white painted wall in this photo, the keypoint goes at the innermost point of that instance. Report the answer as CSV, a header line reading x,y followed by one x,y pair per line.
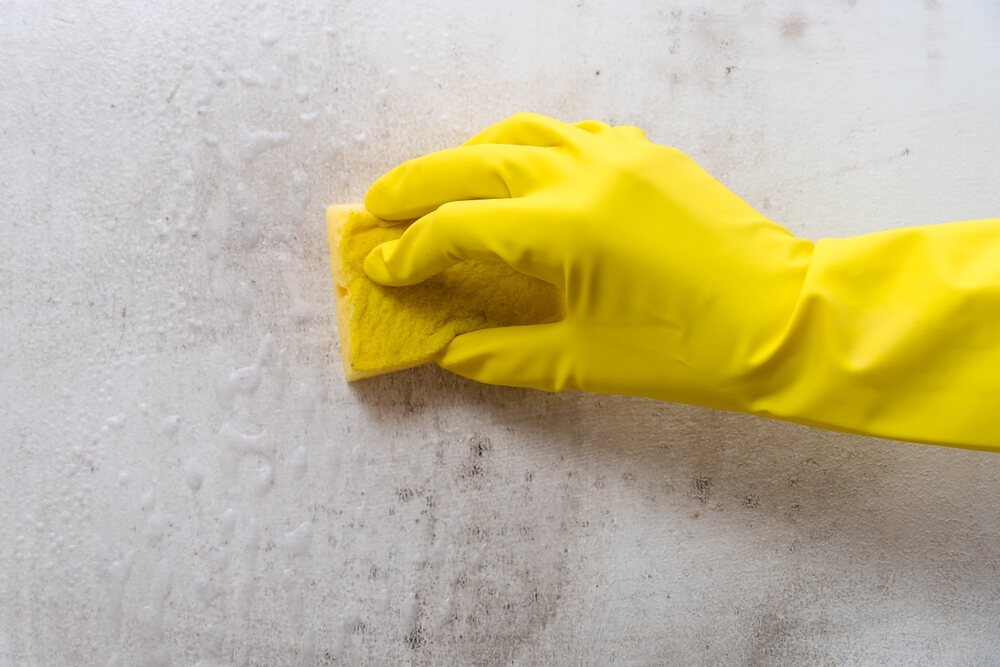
x,y
188,480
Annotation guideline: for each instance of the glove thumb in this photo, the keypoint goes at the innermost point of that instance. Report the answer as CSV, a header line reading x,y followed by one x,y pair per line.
x,y
532,356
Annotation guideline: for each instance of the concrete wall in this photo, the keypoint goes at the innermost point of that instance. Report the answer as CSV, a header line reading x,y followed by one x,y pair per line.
x,y
188,480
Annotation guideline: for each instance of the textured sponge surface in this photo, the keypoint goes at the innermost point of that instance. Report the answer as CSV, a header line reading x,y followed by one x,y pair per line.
x,y
384,329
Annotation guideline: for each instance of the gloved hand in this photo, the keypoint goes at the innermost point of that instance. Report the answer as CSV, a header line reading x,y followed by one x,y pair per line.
x,y
677,289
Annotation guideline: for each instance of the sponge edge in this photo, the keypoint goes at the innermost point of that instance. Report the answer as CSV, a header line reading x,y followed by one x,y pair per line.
x,y
386,329
336,219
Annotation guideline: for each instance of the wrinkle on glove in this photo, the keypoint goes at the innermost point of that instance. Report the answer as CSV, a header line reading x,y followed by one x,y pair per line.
x,y
896,334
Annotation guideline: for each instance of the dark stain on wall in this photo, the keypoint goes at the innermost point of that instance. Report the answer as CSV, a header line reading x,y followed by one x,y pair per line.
x,y
793,27
701,488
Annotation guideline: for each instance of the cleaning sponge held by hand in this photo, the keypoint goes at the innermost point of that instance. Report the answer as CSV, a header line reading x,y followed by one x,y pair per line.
x,y
385,329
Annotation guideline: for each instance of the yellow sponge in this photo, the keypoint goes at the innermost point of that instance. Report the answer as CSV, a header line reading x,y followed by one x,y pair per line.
x,y
385,329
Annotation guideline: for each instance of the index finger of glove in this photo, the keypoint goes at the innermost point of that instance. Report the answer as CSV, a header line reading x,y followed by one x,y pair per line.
x,y
528,129
504,229
420,185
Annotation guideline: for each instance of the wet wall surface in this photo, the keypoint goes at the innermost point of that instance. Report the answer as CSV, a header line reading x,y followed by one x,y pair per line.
x,y
187,478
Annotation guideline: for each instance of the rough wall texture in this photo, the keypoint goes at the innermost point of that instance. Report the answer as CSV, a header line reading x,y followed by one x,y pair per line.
x,y
188,480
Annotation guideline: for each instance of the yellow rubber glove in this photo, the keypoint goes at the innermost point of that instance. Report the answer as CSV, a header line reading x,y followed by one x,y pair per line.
x,y
677,289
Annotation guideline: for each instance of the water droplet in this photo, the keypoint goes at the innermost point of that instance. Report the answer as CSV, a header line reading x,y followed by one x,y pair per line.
x,y
156,527
297,542
250,78
244,381
299,191
299,463
248,215
244,298
194,475
270,36
261,141
227,523
265,479
169,425
204,97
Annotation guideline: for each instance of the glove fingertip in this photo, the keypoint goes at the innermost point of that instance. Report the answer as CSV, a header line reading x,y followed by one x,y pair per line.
x,y
377,266
464,355
377,199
